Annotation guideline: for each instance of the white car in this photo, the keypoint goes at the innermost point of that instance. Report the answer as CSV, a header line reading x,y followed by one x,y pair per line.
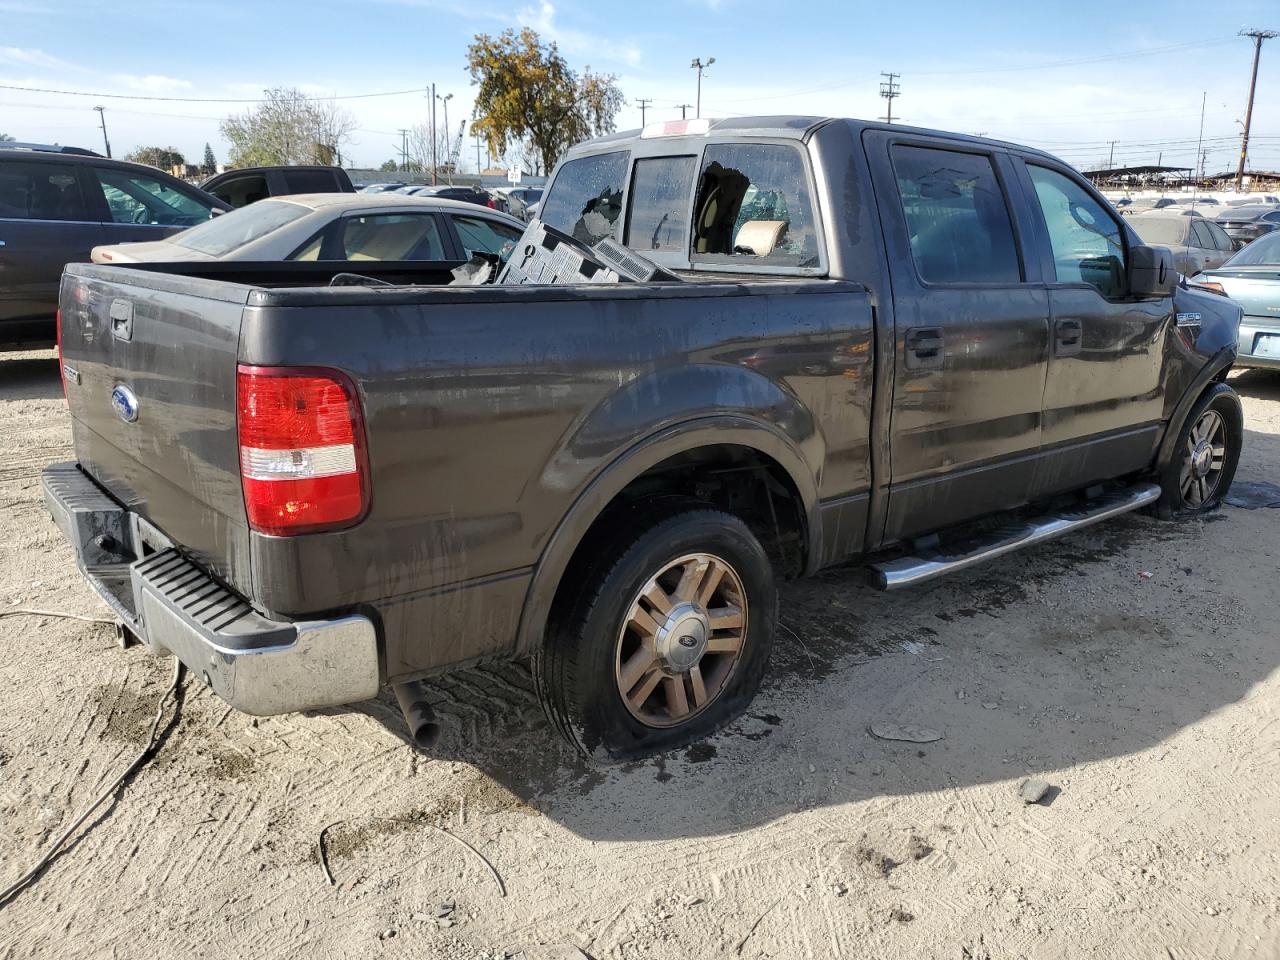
x,y
332,226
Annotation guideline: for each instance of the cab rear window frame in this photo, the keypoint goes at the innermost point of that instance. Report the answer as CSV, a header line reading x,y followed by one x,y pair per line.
x,y
696,146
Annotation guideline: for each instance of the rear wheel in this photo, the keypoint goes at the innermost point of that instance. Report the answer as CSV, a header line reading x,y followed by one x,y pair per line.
x,y
668,635
1205,457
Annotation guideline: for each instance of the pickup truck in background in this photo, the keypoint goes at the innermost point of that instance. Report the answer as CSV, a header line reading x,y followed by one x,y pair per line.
x,y
904,347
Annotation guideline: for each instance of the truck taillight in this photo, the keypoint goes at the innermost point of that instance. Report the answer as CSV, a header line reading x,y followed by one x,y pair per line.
x,y
302,449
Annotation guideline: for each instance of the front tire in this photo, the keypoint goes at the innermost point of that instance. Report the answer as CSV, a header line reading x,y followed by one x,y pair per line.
x,y
1205,456
666,636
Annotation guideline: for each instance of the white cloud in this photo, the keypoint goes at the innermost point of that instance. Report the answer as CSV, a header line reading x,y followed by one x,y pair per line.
x,y
31,57
152,83
577,42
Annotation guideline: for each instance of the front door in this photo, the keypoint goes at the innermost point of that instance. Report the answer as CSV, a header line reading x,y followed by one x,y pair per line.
x,y
1103,399
971,332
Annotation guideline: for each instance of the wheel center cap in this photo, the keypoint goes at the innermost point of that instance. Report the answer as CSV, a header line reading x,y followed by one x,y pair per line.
x,y
682,638
1201,458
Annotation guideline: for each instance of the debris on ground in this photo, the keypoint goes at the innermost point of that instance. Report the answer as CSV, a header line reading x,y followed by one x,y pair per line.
x,y
900,915
904,732
1033,790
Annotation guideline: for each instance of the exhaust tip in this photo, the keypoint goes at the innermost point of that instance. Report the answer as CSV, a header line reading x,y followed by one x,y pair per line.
x,y
424,728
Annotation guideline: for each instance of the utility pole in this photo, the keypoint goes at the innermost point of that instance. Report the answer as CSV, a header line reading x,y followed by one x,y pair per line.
x,y
644,105
700,66
477,136
404,148
433,134
447,159
102,116
889,89
1258,36
683,108
1204,95
1111,157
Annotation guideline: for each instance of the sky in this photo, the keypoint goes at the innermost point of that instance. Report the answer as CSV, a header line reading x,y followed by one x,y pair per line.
x,y
1040,73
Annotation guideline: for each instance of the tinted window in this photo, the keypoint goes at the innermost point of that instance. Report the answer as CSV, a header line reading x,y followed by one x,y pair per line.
x,y
753,203
242,191
1264,250
1200,236
1088,246
1220,238
956,217
142,198
487,236
311,181
659,202
40,191
392,236
586,198
233,230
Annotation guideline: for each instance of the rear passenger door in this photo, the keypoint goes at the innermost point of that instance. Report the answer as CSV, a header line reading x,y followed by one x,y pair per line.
x,y
44,224
971,332
1103,399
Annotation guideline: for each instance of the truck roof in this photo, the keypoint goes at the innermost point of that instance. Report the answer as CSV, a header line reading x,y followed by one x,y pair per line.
x,y
782,126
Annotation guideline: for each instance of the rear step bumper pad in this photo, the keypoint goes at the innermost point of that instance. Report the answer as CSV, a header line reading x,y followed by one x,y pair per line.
x,y
908,571
259,666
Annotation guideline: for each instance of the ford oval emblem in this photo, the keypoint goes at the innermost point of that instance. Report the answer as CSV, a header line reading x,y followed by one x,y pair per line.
x,y
124,403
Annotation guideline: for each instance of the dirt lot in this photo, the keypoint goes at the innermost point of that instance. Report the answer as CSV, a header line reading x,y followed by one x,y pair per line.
x,y
1150,703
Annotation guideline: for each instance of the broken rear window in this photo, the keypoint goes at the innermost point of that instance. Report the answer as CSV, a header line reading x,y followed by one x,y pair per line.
x,y
754,205
586,197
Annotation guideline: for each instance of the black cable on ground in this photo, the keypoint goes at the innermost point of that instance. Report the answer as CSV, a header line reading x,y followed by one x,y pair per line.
x,y
153,741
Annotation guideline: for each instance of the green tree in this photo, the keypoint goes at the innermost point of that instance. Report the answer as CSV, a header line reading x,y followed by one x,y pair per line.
x,y
528,93
162,157
389,166
210,164
288,127
5,138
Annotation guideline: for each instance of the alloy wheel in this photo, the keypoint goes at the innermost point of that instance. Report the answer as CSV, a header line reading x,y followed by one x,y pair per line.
x,y
1204,461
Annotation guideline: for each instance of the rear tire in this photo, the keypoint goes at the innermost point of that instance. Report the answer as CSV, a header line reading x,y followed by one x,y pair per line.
x,y
1204,458
665,636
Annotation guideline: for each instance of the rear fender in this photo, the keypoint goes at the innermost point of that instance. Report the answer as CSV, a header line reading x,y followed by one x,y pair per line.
x,y
735,429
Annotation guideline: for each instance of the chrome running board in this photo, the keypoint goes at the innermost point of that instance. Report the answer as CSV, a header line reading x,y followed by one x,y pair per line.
x,y
908,571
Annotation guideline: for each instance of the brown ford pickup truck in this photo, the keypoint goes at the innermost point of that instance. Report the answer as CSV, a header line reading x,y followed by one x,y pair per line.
x,y
908,348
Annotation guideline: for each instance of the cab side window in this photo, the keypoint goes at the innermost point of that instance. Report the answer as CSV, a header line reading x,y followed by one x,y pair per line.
x,y
1088,246
956,216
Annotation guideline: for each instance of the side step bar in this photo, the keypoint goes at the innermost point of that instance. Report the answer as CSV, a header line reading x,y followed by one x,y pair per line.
x,y
908,571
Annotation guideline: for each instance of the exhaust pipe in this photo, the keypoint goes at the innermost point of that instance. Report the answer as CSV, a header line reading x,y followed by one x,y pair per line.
x,y
424,728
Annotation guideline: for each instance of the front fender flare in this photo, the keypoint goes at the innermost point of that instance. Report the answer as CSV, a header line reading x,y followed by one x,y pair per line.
x,y
669,442
1218,363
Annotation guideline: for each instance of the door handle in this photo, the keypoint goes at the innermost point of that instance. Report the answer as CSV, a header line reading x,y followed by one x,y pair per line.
x,y
1068,335
924,348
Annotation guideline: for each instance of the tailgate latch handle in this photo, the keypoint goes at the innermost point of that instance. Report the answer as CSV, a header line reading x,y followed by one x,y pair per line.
x,y
122,319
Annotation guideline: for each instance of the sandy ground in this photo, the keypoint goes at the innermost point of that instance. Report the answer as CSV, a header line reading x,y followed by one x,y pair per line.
x,y
1149,703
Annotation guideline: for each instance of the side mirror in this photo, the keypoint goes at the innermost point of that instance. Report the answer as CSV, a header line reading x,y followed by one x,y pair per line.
x,y
216,212
1152,273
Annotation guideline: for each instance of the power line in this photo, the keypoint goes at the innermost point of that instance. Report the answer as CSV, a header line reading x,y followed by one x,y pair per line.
x,y
643,103
128,96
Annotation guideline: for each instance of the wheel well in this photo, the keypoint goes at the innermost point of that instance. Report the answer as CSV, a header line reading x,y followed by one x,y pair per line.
x,y
737,479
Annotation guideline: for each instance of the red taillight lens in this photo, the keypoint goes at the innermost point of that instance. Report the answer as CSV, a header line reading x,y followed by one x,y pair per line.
x,y
62,374
302,455
490,204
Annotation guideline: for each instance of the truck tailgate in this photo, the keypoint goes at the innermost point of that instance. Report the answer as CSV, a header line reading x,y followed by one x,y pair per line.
x,y
150,370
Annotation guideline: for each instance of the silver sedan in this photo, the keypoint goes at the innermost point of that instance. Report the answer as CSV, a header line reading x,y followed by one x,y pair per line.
x,y
333,226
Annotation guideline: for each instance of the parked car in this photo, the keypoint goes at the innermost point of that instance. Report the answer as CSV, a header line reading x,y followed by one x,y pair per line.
x,y
1197,242
1246,224
251,184
381,187
876,335
448,192
332,226
1253,199
1252,279
56,205
1142,204
519,199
